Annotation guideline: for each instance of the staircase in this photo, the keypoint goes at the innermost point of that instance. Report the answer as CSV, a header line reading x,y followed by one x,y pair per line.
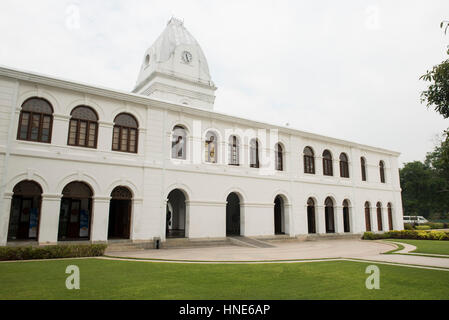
x,y
249,242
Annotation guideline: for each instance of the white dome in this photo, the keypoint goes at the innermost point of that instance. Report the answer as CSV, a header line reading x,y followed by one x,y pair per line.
x,y
164,56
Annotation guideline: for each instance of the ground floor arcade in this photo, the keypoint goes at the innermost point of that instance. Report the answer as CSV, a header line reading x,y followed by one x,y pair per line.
x,y
78,215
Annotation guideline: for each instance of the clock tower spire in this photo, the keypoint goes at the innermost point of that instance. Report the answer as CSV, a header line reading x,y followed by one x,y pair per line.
x,y
175,69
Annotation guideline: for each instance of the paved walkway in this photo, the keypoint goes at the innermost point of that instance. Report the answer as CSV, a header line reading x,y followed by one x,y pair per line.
x,y
288,251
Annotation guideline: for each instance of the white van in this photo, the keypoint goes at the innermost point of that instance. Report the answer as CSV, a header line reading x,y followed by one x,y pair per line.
x,y
415,219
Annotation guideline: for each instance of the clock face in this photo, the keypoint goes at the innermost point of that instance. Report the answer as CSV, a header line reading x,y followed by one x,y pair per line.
x,y
186,57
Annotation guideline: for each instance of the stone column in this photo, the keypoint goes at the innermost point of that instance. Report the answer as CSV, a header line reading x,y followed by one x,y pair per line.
x,y
320,219
49,219
136,212
373,217
4,218
338,216
100,219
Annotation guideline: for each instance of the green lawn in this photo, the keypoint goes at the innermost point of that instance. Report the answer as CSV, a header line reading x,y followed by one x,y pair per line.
x,y
105,279
427,246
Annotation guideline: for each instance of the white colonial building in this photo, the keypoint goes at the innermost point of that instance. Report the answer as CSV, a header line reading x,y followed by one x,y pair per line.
x,y
80,162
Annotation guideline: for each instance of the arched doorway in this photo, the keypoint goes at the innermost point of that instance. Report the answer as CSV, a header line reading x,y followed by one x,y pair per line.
x,y
346,222
25,211
120,214
75,214
379,217
329,215
311,221
233,215
176,215
279,216
367,216
390,216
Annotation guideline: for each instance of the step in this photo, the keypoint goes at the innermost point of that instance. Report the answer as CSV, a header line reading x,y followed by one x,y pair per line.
x,y
250,242
194,243
332,236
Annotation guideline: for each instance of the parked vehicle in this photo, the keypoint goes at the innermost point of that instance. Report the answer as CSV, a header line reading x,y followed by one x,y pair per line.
x,y
415,219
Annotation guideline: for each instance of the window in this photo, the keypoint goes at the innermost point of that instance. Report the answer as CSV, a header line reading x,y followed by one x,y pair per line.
x,y
36,121
179,143
327,163
254,153
125,134
83,127
234,151
367,216
344,167
363,166
390,217
279,157
382,171
309,161
379,216
211,147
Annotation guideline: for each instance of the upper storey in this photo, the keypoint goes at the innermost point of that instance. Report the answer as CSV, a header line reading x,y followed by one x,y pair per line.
x,y
175,69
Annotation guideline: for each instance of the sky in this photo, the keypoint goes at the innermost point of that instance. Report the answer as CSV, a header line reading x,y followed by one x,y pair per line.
x,y
346,69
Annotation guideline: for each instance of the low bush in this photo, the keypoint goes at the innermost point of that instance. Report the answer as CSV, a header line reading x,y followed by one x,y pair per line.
x,y
408,226
435,225
408,234
423,227
51,252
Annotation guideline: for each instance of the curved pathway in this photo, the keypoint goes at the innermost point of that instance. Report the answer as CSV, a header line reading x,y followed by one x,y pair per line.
x,y
292,251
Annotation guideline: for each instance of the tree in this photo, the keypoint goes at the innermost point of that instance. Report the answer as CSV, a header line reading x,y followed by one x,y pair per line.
x,y
437,94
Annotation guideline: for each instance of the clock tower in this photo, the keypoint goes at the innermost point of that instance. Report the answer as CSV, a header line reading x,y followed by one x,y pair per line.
x,y
175,69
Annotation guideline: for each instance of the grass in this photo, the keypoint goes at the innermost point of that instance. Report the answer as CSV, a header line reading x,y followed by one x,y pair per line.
x,y
106,279
427,246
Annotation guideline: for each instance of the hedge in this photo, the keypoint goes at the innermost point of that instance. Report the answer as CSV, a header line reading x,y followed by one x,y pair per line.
x,y
408,234
51,252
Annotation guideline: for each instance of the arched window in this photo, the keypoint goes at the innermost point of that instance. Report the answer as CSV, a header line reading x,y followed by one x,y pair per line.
x,y
327,163
329,215
344,167
279,157
311,224
309,161
367,216
390,216
234,151
346,218
83,128
179,143
36,121
211,148
254,153
363,166
382,171
125,135
379,216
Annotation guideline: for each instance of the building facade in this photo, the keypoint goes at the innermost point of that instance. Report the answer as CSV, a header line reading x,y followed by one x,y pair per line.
x,y
80,162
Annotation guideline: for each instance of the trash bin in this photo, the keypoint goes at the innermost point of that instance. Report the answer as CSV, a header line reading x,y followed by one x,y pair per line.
x,y
157,243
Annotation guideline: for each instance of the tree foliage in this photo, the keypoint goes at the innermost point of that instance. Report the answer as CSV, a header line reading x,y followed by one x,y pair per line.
x,y
437,94
425,185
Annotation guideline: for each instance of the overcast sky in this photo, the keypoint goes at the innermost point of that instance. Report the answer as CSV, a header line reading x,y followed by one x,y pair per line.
x,y
346,69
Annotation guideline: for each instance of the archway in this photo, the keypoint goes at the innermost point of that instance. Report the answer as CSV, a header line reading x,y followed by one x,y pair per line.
x,y
346,222
329,215
367,216
233,215
279,216
25,211
75,214
120,214
311,221
390,217
379,217
176,215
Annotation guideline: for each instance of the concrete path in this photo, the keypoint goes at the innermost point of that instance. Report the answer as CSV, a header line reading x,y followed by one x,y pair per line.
x,y
293,250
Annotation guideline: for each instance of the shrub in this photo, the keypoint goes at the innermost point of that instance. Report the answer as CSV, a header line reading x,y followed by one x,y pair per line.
x,y
408,234
423,227
408,226
435,225
51,252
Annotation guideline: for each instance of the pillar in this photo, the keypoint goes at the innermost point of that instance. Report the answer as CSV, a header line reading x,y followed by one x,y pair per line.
x,y
4,218
100,219
320,219
49,218
338,216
